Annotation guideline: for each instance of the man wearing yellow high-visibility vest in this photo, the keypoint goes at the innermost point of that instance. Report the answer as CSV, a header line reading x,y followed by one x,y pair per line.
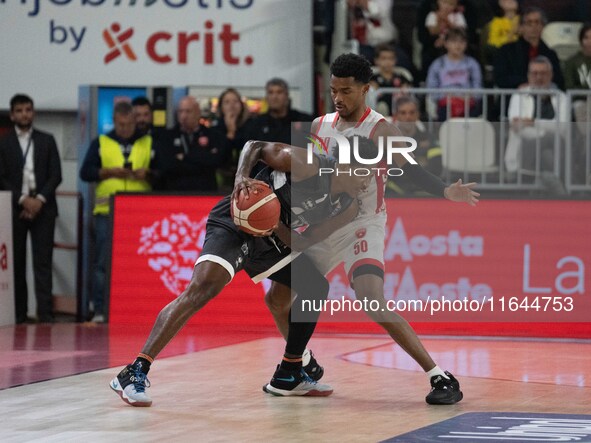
x,y
118,161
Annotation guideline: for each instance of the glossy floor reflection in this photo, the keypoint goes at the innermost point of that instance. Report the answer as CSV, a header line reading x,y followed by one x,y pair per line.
x,y
559,362
33,353
38,352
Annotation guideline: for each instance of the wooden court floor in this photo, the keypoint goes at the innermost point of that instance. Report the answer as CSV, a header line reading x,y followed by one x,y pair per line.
x,y
209,390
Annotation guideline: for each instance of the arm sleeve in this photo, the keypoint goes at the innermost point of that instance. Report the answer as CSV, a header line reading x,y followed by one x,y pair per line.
x,y
55,170
570,78
476,76
89,172
433,75
424,179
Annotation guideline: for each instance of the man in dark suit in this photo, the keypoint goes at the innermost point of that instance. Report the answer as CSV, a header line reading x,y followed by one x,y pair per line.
x,y
512,60
30,168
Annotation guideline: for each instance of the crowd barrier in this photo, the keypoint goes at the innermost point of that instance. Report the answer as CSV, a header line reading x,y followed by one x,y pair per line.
x,y
480,141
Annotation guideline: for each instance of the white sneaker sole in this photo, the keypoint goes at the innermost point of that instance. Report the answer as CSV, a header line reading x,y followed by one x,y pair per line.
x,y
301,393
115,386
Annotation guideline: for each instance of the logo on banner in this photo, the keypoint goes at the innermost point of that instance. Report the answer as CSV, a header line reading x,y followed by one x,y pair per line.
x,y
117,41
172,246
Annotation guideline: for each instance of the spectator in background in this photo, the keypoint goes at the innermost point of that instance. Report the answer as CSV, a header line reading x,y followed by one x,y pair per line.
x,y
577,69
445,17
275,124
144,118
232,122
192,152
534,121
30,168
144,125
428,51
512,59
372,24
432,29
455,70
502,29
388,76
577,73
428,152
118,161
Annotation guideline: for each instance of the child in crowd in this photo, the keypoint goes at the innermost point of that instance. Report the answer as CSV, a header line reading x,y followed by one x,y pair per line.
x,y
455,70
502,29
447,16
388,76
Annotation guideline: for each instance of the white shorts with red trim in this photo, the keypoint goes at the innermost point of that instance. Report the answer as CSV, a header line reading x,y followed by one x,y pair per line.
x,y
361,242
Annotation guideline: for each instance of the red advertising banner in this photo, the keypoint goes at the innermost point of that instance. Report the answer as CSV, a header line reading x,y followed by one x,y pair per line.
x,y
156,241
503,261
454,268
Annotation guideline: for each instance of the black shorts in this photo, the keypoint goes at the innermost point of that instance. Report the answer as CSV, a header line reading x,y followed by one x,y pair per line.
x,y
235,250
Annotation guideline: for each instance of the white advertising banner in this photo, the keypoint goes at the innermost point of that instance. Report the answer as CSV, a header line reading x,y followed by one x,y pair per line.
x,y
6,270
60,44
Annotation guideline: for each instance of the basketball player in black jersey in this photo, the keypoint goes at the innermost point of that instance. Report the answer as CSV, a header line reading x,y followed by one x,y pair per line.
x,y
228,250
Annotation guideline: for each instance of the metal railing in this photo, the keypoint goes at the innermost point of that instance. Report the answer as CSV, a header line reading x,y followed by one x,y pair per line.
x,y
547,154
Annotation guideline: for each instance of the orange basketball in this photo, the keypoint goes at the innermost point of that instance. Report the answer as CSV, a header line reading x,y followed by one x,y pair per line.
x,y
257,214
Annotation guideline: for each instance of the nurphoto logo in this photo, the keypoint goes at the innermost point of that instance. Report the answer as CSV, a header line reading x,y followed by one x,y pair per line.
x,y
341,150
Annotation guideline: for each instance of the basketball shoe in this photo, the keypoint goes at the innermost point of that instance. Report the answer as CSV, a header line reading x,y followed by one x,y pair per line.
x,y
290,383
130,384
311,366
444,391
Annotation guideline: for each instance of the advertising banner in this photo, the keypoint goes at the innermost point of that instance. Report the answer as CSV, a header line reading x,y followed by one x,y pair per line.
x,y
152,42
6,269
505,261
156,241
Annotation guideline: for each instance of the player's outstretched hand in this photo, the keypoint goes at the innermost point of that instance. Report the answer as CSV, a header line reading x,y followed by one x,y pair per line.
x,y
459,192
248,185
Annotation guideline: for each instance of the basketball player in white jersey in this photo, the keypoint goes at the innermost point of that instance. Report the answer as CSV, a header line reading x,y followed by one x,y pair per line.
x,y
360,244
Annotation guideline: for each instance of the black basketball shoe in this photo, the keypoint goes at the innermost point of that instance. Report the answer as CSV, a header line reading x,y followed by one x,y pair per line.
x,y
444,391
